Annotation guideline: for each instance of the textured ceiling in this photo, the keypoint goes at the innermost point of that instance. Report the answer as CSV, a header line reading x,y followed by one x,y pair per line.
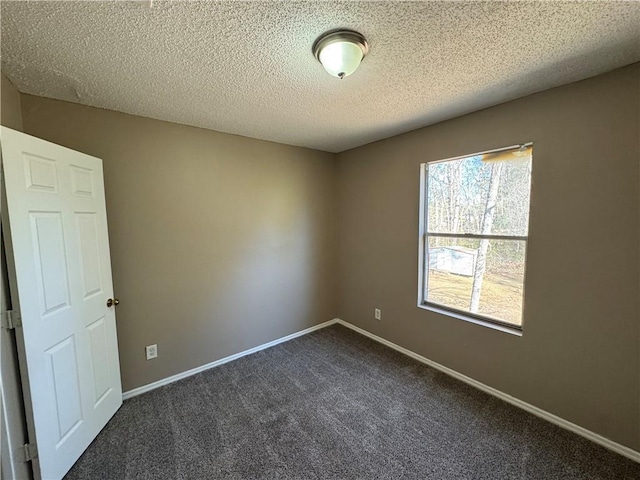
x,y
247,67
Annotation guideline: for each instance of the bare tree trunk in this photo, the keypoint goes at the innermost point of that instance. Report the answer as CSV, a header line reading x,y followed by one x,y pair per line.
x,y
487,224
456,180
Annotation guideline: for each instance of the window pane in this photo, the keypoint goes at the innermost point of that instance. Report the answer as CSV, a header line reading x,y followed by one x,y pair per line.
x,y
455,271
459,190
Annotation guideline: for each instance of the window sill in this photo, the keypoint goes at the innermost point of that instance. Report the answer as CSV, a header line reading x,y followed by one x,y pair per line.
x,y
478,321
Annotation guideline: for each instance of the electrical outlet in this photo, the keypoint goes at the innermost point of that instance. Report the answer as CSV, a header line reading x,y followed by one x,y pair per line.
x,y
151,351
377,313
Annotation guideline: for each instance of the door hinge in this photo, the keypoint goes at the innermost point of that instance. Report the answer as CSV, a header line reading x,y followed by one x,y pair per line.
x,y
30,451
11,319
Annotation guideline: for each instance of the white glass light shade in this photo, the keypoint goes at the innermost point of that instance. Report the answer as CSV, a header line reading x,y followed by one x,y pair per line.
x,y
340,52
341,58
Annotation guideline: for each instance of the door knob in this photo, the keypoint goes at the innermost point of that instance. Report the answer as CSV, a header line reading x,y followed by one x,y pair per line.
x,y
113,302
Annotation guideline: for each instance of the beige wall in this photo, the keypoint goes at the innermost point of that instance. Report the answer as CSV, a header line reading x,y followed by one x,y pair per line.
x,y
579,355
10,108
219,243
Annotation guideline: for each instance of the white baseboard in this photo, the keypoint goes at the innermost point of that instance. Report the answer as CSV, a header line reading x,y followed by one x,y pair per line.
x,y
583,432
193,371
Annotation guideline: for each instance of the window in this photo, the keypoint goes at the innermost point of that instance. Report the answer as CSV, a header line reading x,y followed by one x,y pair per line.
x,y
474,223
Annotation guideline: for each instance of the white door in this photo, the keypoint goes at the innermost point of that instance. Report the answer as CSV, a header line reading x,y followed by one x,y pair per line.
x,y
58,254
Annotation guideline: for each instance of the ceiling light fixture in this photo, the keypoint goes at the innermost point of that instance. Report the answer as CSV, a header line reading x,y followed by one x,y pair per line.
x,y
340,51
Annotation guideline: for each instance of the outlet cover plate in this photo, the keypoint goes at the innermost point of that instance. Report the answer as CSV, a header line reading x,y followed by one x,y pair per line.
x,y
151,351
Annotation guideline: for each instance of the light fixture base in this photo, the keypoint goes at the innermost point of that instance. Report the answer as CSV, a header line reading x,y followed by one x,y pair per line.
x,y
340,51
340,35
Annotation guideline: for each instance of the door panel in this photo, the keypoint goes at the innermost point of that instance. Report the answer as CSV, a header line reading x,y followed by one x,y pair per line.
x,y
89,253
41,173
98,338
50,258
59,254
63,378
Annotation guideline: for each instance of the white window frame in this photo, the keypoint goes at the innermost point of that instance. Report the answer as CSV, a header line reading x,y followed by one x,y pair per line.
x,y
423,252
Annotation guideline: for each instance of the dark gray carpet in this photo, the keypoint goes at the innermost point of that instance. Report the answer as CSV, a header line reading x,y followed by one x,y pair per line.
x,y
334,404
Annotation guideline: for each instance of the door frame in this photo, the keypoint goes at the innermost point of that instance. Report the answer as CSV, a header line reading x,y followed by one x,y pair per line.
x,y
14,401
